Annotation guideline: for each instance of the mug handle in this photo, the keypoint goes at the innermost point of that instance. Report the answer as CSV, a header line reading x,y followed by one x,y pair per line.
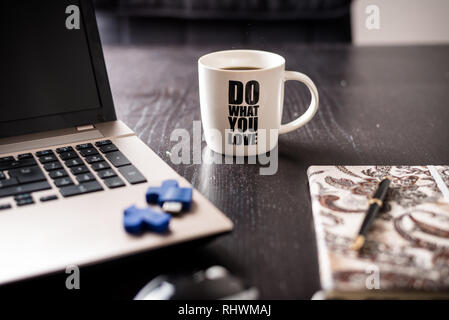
x,y
313,107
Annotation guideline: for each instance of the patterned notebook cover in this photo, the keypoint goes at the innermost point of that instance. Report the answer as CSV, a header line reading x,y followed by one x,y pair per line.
x,y
407,248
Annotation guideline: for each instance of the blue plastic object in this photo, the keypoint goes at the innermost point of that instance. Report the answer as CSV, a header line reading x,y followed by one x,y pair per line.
x,y
137,220
170,191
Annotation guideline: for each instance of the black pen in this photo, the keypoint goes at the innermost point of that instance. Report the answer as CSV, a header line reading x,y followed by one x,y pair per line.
x,y
375,203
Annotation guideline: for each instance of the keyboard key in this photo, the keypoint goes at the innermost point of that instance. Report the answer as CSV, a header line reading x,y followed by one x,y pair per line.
x,y
86,187
88,152
44,153
25,201
8,182
79,169
30,187
100,165
22,196
63,182
64,149
27,174
17,164
132,174
85,177
94,158
84,146
24,156
7,159
49,198
49,158
2,176
108,148
68,155
74,162
103,143
114,182
52,166
108,173
117,158
5,206
60,173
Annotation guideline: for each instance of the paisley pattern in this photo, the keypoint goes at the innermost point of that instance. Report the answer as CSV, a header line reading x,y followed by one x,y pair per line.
x,y
444,173
409,241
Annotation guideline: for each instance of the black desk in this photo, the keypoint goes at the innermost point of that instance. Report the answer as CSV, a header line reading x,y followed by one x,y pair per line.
x,y
377,106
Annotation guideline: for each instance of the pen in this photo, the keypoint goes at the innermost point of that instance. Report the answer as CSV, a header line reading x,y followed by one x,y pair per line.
x,y
375,203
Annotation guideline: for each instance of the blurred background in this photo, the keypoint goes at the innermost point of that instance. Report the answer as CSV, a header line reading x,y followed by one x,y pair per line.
x,y
254,23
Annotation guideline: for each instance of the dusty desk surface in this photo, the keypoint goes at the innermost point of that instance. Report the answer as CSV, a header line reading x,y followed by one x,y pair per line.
x,y
377,106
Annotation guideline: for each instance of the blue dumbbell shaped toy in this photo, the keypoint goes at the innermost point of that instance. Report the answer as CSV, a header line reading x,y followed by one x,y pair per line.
x,y
170,197
137,220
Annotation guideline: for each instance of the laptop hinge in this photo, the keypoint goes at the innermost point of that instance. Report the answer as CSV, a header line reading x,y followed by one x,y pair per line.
x,y
86,127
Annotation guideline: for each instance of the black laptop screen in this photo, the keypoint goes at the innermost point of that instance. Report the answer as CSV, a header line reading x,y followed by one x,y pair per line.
x,y
46,67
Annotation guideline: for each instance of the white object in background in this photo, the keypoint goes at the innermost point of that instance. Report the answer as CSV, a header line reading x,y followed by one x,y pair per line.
x,y
400,22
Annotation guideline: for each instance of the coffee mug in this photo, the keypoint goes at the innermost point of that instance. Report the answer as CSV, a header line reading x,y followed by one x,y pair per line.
x,y
241,98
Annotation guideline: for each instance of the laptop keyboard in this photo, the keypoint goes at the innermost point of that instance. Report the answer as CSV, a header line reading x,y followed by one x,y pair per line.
x,y
72,170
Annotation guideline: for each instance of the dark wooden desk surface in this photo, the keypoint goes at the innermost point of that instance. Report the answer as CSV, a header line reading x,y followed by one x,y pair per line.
x,y
377,106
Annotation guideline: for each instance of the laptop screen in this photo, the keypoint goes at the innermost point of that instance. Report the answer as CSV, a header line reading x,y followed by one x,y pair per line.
x,y
46,67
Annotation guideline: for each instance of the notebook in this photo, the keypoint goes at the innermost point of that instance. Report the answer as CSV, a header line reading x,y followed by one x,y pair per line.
x,y
406,254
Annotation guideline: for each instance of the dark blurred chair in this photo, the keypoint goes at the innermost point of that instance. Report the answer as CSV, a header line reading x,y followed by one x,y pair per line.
x,y
230,22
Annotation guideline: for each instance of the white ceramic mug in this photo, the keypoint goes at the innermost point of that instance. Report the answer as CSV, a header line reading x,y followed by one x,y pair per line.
x,y
241,109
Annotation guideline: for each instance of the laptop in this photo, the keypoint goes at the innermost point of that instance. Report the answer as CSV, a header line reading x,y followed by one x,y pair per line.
x,y
68,167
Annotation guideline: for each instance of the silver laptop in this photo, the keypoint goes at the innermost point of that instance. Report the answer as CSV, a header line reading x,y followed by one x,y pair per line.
x,y
68,167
